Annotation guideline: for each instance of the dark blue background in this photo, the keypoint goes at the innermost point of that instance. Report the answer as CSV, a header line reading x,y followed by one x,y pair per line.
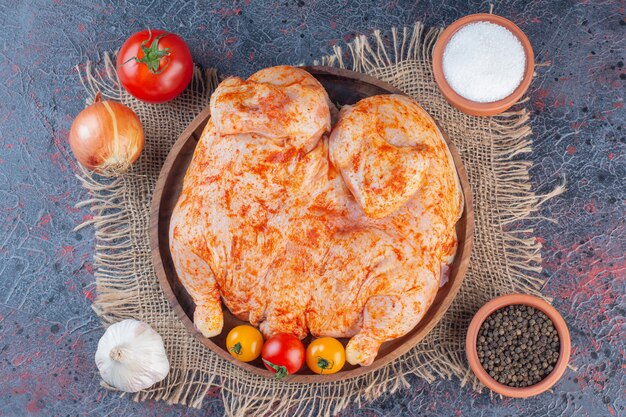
x,y
48,332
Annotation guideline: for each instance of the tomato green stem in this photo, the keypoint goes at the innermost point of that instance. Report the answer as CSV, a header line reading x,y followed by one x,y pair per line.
x,y
152,55
236,349
324,364
281,371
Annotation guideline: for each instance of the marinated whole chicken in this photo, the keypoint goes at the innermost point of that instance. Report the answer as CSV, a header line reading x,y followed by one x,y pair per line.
x,y
298,228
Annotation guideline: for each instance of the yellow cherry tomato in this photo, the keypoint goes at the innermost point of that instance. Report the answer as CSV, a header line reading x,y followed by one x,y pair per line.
x,y
325,355
244,343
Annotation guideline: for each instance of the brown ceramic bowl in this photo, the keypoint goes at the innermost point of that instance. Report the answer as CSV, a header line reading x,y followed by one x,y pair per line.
x,y
515,299
472,107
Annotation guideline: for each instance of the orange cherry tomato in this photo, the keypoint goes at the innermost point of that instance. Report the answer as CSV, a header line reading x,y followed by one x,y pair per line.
x,y
325,355
244,343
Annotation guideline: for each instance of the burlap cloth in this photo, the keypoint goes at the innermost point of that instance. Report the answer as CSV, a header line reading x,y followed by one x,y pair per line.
x,y
506,258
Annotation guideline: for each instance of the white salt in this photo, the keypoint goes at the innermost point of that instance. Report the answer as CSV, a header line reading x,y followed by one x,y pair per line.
x,y
484,62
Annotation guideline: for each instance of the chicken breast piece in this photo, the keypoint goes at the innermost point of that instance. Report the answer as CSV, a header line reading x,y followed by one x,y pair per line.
x,y
401,175
229,229
381,146
282,103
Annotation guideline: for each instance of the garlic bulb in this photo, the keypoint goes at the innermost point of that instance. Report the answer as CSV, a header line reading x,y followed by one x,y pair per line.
x,y
131,356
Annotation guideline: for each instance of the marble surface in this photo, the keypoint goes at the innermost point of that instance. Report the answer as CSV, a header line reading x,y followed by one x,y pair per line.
x,y
48,332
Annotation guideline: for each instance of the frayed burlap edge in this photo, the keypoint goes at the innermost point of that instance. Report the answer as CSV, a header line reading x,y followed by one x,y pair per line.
x,y
244,394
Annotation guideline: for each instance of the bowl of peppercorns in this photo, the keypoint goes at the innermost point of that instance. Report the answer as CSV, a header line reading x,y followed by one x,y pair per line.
x,y
518,345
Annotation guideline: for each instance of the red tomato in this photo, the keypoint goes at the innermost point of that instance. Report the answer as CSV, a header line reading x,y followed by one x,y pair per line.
x,y
154,65
283,354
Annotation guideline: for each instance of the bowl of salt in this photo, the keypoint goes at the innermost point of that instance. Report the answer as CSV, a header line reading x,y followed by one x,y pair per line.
x,y
483,64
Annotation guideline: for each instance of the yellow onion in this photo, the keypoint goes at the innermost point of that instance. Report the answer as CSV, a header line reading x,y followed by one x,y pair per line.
x,y
106,137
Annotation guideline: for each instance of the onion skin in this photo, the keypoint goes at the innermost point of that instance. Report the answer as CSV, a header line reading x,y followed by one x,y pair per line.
x,y
106,137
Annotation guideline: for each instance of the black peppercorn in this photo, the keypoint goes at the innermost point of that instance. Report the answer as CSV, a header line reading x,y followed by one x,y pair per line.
x,y
518,345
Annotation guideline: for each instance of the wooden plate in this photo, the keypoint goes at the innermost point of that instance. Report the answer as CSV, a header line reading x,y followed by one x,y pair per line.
x,y
344,87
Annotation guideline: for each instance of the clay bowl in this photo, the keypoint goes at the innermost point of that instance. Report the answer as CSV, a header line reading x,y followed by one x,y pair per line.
x,y
343,87
472,107
515,299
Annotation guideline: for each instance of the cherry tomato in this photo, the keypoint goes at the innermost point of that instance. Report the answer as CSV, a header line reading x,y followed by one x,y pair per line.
x,y
154,65
325,355
283,354
244,343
